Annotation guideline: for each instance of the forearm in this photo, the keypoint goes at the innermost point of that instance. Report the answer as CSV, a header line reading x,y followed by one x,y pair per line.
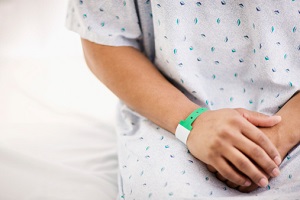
x,y
288,129
137,82
286,134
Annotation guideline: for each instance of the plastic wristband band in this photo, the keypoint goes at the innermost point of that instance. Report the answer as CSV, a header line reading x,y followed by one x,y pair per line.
x,y
185,126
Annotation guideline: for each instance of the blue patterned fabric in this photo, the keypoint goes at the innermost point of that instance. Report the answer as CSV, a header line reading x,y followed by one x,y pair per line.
x,y
221,54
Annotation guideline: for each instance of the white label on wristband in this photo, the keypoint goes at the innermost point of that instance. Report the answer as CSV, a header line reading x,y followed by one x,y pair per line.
x,y
182,133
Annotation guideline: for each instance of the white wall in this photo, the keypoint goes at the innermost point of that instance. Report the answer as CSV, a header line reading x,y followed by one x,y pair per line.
x,y
42,70
35,28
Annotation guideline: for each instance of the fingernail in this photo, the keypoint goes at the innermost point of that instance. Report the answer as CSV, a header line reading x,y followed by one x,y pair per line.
x,y
277,117
263,182
277,160
247,183
275,172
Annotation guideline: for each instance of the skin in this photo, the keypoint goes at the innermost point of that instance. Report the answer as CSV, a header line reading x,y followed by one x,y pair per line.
x,y
138,83
285,135
224,136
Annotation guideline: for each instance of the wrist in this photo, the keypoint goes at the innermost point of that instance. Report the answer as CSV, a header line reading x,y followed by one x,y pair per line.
x,y
185,126
182,111
282,137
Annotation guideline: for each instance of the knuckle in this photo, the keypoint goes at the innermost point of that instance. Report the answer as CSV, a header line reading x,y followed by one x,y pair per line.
x,y
225,132
256,152
235,119
268,167
225,173
216,144
260,137
242,164
240,110
211,154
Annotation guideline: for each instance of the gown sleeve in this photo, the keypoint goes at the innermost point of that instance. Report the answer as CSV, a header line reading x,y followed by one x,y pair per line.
x,y
107,22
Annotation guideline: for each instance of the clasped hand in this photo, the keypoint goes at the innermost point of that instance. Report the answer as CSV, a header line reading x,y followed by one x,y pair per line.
x,y
230,143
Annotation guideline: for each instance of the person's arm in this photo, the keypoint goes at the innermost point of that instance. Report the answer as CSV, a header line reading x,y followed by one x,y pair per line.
x,y
285,135
137,82
134,79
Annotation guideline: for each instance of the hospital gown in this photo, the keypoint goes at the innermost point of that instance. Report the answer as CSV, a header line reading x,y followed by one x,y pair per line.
x,y
220,54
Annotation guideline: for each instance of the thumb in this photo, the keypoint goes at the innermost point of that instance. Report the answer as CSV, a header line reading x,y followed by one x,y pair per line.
x,y
261,120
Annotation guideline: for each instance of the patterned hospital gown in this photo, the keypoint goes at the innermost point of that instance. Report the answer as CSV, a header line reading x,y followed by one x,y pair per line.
x,y
220,54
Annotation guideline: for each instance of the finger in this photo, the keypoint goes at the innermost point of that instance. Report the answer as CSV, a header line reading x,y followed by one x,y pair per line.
x,y
211,169
259,138
228,173
257,154
245,166
248,189
220,177
228,183
231,184
261,120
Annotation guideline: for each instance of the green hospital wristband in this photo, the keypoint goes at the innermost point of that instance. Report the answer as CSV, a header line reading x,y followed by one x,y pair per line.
x,y
185,126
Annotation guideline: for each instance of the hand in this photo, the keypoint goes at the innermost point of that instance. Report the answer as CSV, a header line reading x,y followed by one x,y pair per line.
x,y
226,140
270,132
273,134
284,142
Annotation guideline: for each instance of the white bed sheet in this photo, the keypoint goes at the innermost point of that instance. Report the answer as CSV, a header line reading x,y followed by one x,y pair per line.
x,y
57,138
56,130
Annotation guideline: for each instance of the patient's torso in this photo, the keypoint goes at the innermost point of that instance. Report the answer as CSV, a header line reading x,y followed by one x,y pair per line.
x,y
230,53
